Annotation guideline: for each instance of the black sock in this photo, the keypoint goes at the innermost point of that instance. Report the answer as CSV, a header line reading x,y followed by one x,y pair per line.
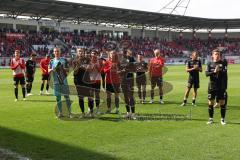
x,y
30,88
23,92
103,80
185,101
194,101
90,104
42,86
144,94
226,99
152,93
132,109
128,108
81,104
97,101
16,92
109,103
27,87
210,111
47,87
161,97
139,92
223,111
116,102
132,101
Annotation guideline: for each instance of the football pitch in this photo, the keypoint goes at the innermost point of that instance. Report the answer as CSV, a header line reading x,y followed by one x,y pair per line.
x,y
29,128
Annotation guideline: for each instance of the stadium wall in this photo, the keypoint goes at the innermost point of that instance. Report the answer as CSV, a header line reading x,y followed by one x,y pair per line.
x,y
187,35
62,27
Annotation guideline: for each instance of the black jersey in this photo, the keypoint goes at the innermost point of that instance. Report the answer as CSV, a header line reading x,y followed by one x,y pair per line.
x,y
218,81
141,66
30,67
81,75
225,63
128,74
194,74
130,60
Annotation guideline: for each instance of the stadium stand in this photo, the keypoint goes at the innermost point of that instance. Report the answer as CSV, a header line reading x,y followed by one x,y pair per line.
x,y
25,41
141,33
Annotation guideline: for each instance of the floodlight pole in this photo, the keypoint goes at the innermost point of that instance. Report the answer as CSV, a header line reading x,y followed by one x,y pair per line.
x,y
179,4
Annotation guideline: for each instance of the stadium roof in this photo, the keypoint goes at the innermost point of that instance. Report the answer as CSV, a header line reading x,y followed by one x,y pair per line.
x,y
99,14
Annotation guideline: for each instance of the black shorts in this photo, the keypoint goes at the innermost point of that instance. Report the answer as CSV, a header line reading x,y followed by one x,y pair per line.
x,y
19,79
83,89
103,75
29,78
128,86
193,83
141,80
96,86
45,77
113,88
156,81
216,94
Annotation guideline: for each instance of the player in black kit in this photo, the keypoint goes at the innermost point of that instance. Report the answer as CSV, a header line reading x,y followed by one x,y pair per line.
x,y
30,71
82,80
127,86
141,79
226,94
193,67
217,86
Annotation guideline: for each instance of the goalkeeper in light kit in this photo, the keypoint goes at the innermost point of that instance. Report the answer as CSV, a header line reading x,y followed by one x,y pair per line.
x,y
59,68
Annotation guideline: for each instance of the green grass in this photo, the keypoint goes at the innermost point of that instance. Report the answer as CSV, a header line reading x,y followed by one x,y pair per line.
x,y
30,128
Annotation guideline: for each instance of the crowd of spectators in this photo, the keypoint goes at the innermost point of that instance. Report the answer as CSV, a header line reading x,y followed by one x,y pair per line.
x,y
69,40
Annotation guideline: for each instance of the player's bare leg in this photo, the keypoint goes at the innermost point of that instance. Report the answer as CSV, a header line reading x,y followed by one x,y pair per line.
x,y
161,94
186,96
42,87
210,111
194,96
24,91
16,92
223,111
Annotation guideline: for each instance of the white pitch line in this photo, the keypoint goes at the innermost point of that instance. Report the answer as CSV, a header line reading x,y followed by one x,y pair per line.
x,y
9,153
